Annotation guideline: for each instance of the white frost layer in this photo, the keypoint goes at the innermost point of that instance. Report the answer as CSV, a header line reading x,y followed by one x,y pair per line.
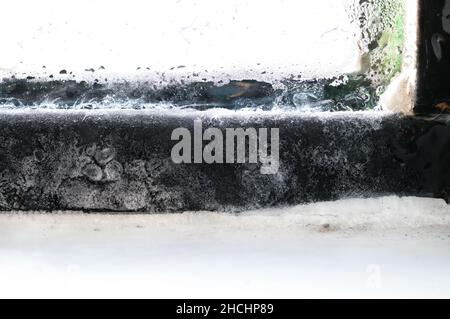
x,y
385,247
374,214
215,113
364,214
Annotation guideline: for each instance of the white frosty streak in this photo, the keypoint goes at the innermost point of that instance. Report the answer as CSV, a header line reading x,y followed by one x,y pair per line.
x,y
349,214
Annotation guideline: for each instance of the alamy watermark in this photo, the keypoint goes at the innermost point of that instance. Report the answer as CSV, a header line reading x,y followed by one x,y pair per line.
x,y
374,279
236,146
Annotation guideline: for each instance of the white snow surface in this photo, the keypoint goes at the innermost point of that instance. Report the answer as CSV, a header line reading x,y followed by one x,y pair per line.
x,y
355,248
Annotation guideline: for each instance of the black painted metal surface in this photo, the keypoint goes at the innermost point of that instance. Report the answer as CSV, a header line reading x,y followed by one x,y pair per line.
x,y
433,85
120,161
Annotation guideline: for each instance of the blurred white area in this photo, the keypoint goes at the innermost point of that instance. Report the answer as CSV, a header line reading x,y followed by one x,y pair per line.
x,y
387,247
242,37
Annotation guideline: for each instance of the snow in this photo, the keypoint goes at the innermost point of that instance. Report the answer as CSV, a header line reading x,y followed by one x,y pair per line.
x,y
379,247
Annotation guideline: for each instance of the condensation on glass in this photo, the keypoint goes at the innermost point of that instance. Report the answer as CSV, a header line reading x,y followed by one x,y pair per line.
x,y
308,56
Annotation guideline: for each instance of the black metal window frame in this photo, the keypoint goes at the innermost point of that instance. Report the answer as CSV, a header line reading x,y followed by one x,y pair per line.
x,y
433,60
